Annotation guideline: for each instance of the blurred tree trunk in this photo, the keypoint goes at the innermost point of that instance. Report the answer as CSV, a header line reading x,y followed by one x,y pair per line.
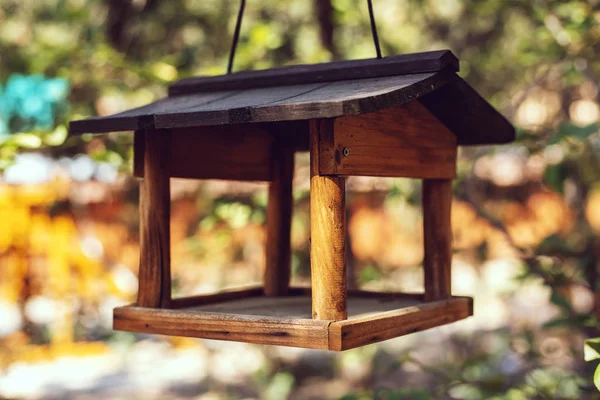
x,y
121,16
120,13
324,12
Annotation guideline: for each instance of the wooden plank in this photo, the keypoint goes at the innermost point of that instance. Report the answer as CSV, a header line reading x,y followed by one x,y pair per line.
x,y
279,221
155,238
138,153
402,141
353,293
328,234
235,108
238,152
257,291
142,117
247,316
300,306
431,61
304,333
214,298
344,335
458,106
437,237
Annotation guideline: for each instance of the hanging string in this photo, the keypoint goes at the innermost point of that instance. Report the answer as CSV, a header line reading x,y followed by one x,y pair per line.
x,y
374,29
236,36
238,26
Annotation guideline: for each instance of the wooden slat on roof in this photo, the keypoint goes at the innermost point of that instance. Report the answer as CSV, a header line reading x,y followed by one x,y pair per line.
x,y
430,61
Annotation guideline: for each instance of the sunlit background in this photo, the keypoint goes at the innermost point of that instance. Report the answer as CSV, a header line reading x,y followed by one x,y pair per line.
x,y
526,216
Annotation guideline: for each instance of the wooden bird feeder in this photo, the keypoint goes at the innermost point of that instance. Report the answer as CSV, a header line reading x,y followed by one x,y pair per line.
x,y
400,116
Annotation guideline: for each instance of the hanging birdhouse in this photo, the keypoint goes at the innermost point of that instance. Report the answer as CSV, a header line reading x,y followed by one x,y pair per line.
x,y
401,116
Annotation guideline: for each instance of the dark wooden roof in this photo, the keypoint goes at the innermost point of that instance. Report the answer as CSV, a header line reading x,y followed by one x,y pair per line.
x,y
319,91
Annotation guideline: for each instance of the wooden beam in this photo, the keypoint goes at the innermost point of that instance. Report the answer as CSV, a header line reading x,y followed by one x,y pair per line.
x,y
437,234
155,242
247,316
328,233
235,152
416,63
214,298
305,333
355,332
279,221
403,141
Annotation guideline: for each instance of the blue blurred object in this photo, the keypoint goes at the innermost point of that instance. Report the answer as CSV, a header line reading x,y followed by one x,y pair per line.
x,y
32,103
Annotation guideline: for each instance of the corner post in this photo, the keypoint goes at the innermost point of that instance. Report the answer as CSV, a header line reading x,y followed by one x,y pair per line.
x,y
279,221
328,232
155,209
437,238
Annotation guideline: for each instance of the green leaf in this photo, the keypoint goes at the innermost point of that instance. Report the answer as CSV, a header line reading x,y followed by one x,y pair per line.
x,y
350,396
555,176
28,140
56,137
408,394
369,273
578,321
573,131
597,377
591,350
560,300
280,387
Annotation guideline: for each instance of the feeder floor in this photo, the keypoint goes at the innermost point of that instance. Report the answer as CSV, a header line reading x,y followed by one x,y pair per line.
x,y
249,316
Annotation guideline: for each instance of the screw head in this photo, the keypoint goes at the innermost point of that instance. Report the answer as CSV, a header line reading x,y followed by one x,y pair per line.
x,y
346,152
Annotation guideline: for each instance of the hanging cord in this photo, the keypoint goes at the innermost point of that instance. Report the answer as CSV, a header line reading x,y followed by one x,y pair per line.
x,y
374,29
238,26
236,36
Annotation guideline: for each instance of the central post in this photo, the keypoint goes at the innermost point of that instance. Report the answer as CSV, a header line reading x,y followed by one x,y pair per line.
x,y
328,233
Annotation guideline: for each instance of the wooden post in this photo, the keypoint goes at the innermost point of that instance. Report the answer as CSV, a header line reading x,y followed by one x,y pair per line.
x,y
155,242
437,234
279,221
328,233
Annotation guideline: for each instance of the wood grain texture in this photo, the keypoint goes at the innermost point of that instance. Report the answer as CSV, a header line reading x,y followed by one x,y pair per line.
x,y
253,291
431,61
251,317
299,306
142,117
307,101
448,97
285,103
215,298
384,296
138,153
437,236
402,141
304,333
328,233
155,238
237,152
344,335
279,221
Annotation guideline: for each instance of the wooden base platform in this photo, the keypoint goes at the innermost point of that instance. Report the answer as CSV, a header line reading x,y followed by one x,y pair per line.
x,y
249,316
